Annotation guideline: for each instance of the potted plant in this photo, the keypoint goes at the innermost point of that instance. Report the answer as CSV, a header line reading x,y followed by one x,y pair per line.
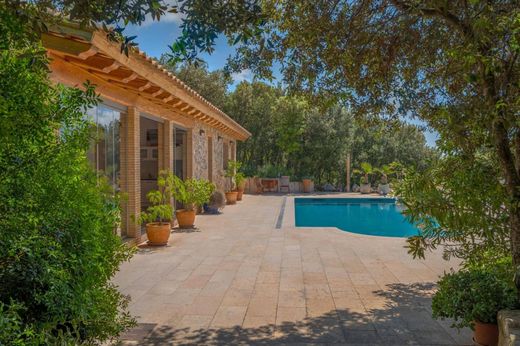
x,y
231,172
307,184
192,194
472,298
240,180
366,171
384,187
158,216
216,203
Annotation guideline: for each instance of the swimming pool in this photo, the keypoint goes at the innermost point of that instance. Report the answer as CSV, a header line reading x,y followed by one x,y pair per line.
x,y
372,216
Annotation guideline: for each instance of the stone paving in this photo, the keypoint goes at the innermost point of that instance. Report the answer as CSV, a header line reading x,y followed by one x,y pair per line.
x,y
238,279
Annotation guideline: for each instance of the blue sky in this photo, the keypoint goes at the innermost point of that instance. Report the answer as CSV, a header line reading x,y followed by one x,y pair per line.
x,y
154,38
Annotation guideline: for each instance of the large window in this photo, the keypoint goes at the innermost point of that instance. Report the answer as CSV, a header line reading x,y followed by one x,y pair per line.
x,y
104,151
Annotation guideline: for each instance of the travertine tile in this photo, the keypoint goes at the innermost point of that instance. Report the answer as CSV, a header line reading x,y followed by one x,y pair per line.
x,y
238,280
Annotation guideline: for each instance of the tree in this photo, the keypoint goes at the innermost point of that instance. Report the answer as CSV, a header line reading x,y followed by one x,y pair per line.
x,y
452,64
57,230
210,85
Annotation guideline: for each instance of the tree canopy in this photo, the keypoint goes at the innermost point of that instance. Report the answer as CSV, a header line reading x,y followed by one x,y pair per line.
x,y
453,64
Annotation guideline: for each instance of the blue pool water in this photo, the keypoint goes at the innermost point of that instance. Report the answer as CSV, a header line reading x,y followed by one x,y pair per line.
x,y
372,216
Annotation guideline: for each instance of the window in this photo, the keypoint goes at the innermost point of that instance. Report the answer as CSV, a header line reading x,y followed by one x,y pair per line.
x,y
104,150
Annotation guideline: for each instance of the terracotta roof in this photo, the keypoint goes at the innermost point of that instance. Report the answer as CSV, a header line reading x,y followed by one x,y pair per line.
x,y
97,46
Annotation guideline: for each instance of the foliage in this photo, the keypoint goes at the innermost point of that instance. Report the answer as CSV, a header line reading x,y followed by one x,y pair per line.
x,y
270,171
459,206
452,64
161,209
317,141
474,295
58,226
366,170
211,85
191,192
110,15
231,172
217,200
240,178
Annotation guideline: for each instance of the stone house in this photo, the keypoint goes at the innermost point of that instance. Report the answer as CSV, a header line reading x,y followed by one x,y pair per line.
x,y
149,120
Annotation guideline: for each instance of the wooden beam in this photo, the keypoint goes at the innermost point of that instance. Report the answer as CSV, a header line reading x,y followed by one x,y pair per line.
x,y
168,99
101,70
114,66
144,67
64,45
157,93
87,54
176,105
68,74
130,78
148,85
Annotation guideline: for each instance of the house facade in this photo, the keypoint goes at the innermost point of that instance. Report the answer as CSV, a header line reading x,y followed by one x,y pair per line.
x,y
149,120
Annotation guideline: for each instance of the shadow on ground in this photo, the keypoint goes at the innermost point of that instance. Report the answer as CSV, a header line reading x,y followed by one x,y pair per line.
x,y
399,315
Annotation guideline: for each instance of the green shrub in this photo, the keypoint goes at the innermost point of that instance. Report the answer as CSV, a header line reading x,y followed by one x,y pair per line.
x,y
191,192
161,209
475,294
59,248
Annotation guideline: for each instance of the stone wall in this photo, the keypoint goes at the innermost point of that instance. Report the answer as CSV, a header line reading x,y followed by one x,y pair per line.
x,y
218,167
201,156
200,153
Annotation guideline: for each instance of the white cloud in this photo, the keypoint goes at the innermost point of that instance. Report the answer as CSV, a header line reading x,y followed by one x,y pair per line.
x,y
244,75
166,18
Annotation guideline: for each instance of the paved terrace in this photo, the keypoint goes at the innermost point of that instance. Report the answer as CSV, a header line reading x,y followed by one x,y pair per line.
x,y
238,279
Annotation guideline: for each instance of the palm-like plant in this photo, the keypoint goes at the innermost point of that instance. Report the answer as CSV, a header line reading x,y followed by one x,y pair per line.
x,y
366,170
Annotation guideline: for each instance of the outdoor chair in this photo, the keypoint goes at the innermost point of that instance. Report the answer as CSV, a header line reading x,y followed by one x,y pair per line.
x,y
258,185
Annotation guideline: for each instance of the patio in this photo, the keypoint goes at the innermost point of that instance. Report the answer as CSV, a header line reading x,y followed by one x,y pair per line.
x,y
249,276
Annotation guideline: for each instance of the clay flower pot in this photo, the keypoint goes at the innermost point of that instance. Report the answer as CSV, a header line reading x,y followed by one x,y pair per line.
x,y
240,189
158,233
231,197
306,185
485,334
185,218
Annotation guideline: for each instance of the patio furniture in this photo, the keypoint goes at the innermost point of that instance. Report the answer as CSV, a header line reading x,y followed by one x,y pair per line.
x,y
270,184
258,185
284,184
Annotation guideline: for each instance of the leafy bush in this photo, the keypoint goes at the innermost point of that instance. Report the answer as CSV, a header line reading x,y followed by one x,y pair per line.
x,y
191,192
57,226
240,178
271,171
475,294
161,209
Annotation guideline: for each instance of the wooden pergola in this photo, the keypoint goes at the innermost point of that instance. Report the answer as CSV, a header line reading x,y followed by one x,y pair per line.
x,y
135,79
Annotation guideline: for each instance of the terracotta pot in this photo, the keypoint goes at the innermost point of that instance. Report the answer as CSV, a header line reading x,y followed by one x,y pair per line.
x,y
306,185
158,233
239,194
486,334
185,218
231,197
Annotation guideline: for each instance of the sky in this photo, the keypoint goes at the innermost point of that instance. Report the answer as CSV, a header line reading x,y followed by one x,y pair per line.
x,y
155,37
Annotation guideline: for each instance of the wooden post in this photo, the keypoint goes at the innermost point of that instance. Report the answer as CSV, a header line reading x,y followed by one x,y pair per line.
x,y
348,173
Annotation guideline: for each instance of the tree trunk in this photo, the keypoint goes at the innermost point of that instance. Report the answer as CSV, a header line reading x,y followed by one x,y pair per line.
x,y
515,234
